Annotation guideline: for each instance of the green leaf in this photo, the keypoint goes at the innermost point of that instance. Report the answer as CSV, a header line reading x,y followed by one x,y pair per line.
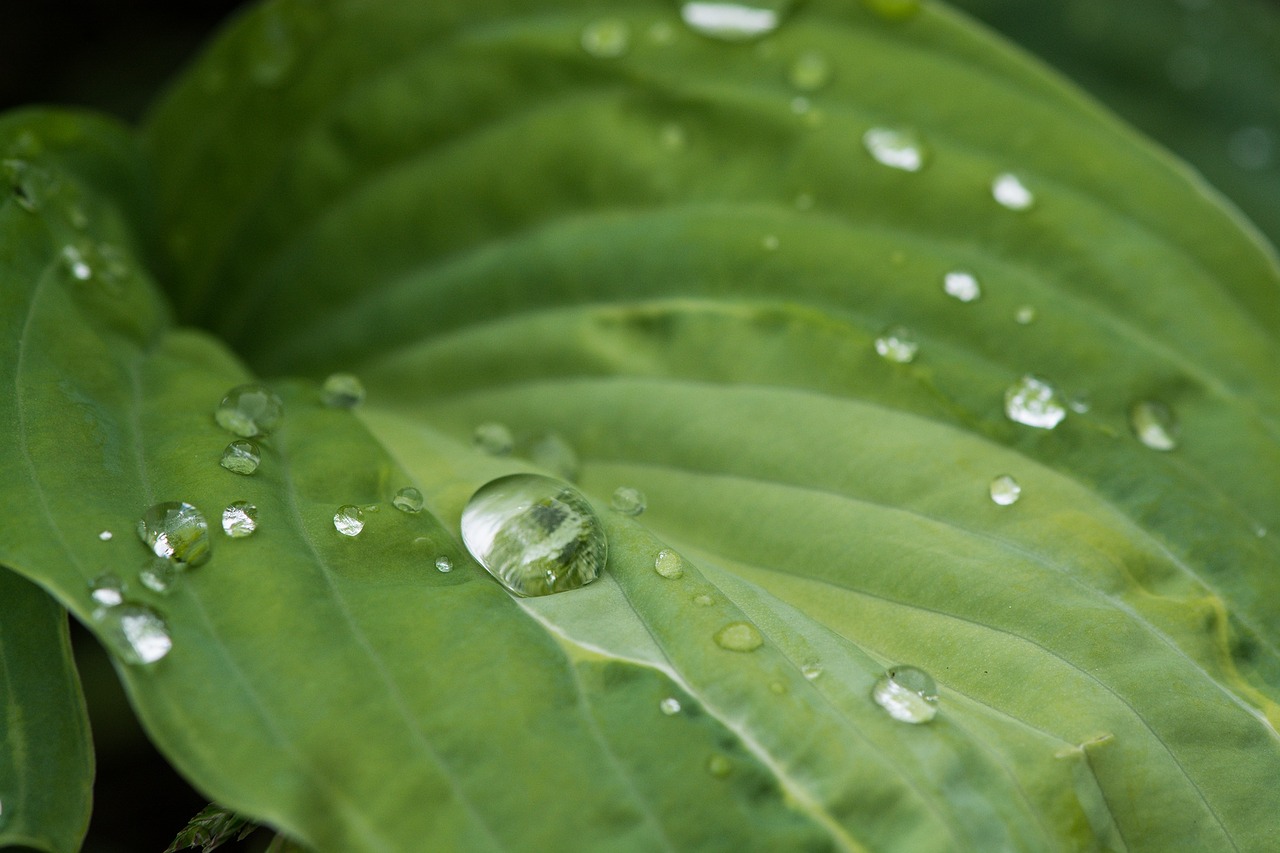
x,y
667,260
210,829
46,763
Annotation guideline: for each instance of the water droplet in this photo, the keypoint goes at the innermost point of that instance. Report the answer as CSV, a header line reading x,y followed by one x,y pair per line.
x,y
408,499
556,455
628,501
1025,315
493,438
1005,490
349,520
1080,404
159,576
895,148
1260,531
1034,402
908,694
669,706
897,344
734,21
893,10
105,535
962,285
241,457
443,564
810,71
607,38
534,534
770,242
669,564
249,411
1251,148
811,671
703,600
342,391
73,257
176,531
107,590
136,633
739,637
239,519
719,766
1009,192
1154,424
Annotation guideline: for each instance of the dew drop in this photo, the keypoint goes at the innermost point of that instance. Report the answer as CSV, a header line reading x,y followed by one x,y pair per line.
x,y
556,455
176,531
669,564
703,600
1034,402
536,535
73,258
443,564
895,148
719,766
1025,315
962,285
897,344
241,457
493,438
136,633
669,706
739,637
1005,490
810,71
408,500
734,21
249,411
628,501
907,694
342,391
159,576
1154,424
349,520
607,38
893,10
1009,192
106,535
239,519
811,671
107,590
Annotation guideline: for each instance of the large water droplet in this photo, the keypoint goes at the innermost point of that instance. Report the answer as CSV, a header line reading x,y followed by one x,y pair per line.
x,y
1034,402
739,637
895,148
241,457
908,694
176,531
493,438
443,564
159,576
342,391
1009,192
1005,490
534,534
628,501
556,455
893,10
606,38
897,344
1154,424
107,590
137,634
408,500
250,410
810,71
349,520
962,285
742,21
669,706
239,519
669,564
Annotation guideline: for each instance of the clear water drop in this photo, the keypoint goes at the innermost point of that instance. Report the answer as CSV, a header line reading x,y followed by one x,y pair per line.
x,y
239,519
669,706
896,148
349,520
443,564
811,671
669,564
1005,490
408,500
535,535
250,411
553,453
628,501
703,600
893,10
74,259
1034,402
1025,315
810,71
342,391
135,633
897,344
962,285
107,590
606,38
1154,424
106,535
1080,404
719,766
739,637
908,694
493,438
176,531
1010,192
241,457
159,576
743,21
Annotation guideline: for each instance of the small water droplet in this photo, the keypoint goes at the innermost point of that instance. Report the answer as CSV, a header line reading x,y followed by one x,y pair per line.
x,y
962,285
136,633
734,21
493,438
811,671
769,242
241,457
408,500
669,706
443,564
897,344
239,519
893,10
810,71
1005,490
669,564
159,576
536,535
176,531
1154,424
1080,404
908,694
1251,148
556,455
1260,531
607,38
349,520
703,600
628,501
342,391
250,411
107,590
739,637
1009,192
1025,315
895,148
719,766
1034,402
73,257
106,535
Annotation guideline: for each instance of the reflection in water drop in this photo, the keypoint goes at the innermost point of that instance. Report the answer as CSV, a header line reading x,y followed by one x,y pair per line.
x,y
176,531
1005,490
743,21
239,519
135,633
493,438
241,457
811,671
443,564
1154,424
907,694
107,590
669,706
895,148
1009,192
1034,402
669,564
349,520
897,344
342,391
962,285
